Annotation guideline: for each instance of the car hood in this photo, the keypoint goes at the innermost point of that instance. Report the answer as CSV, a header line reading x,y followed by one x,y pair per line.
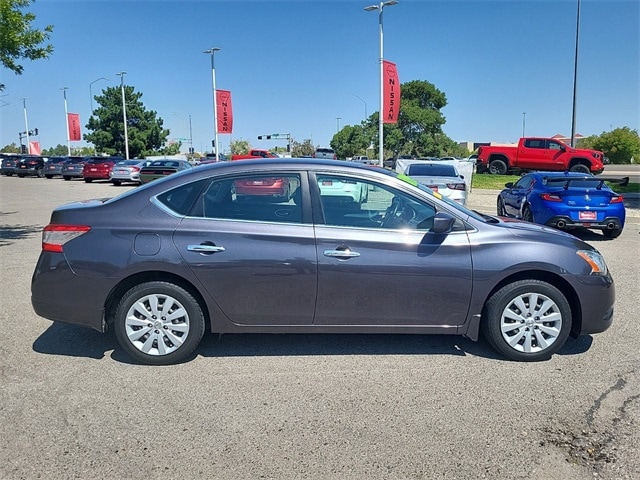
x,y
520,228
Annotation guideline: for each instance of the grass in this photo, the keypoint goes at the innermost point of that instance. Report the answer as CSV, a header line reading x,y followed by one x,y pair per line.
x,y
496,182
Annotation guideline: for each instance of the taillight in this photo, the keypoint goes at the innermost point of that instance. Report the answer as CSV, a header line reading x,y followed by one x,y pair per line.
x,y
617,199
55,236
135,169
551,198
456,186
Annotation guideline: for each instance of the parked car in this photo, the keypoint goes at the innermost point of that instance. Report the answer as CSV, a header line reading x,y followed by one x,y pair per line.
x,y
344,191
162,168
72,168
127,171
31,165
565,201
186,256
327,153
8,163
211,158
98,168
54,166
280,188
440,177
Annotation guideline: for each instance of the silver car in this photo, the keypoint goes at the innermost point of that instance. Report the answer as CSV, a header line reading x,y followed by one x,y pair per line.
x,y
127,171
442,178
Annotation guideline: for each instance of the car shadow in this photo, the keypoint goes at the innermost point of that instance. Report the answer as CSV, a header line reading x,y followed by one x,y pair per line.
x,y
62,339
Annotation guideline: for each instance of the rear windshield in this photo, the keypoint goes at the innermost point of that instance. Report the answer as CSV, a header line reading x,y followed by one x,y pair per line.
x,y
433,170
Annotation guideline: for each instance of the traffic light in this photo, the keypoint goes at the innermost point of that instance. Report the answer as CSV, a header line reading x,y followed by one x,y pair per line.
x,y
23,148
35,131
264,137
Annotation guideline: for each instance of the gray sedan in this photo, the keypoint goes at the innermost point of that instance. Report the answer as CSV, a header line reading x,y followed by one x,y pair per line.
x,y
186,255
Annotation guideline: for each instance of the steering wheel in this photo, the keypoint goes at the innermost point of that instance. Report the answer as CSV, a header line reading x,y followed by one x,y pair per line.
x,y
391,215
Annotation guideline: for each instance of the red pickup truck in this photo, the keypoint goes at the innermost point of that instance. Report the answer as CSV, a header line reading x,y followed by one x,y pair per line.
x,y
255,153
538,154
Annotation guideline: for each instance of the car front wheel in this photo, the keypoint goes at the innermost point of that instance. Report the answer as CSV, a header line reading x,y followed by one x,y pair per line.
x,y
159,323
501,210
528,320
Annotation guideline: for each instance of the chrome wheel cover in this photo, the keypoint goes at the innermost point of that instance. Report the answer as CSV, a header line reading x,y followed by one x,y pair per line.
x,y
531,323
157,324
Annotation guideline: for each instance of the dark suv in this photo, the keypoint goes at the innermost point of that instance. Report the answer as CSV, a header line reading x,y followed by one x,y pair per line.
x,y
31,165
8,163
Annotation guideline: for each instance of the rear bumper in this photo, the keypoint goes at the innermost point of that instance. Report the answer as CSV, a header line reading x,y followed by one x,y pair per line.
x,y
563,222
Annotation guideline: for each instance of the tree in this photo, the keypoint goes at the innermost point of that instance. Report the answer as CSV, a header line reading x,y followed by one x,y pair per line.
x,y
239,147
619,145
17,39
11,148
418,131
57,151
304,149
144,131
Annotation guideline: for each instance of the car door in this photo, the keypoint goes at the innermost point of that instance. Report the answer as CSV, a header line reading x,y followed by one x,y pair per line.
x,y
516,195
533,154
378,266
255,257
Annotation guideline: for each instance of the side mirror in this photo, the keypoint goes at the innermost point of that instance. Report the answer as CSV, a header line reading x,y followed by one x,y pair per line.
x,y
442,223
509,184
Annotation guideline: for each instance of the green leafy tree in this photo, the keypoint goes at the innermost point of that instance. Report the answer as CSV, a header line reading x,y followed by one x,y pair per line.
x,y
18,40
619,145
418,131
144,129
11,148
304,149
57,151
239,147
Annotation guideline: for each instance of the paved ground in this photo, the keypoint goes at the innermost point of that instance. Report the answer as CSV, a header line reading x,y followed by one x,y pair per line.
x,y
306,407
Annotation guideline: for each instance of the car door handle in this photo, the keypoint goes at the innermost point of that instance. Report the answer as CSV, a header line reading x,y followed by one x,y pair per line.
x,y
204,248
341,253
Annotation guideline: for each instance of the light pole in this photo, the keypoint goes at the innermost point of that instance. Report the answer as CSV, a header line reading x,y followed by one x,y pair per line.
x,y
524,116
124,115
575,81
338,123
66,118
211,51
380,8
26,123
91,94
365,105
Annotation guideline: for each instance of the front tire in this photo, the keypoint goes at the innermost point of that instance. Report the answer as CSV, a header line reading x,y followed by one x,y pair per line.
x,y
528,320
580,168
159,323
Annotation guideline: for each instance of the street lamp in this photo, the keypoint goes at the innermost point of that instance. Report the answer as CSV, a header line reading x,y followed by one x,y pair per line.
x,y
91,94
26,123
365,105
66,118
124,115
211,51
184,123
524,116
338,123
575,81
380,8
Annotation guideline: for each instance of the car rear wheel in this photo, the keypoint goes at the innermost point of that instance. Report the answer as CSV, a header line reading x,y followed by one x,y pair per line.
x,y
159,323
88,180
613,233
116,182
66,177
527,215
497,167
528,320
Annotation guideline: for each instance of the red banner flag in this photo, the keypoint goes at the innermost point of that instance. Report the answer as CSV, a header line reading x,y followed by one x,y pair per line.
x,y
391,93
34,147
224,111
73,120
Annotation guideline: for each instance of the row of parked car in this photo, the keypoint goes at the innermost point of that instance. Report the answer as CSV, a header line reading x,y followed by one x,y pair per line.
x,y
89,168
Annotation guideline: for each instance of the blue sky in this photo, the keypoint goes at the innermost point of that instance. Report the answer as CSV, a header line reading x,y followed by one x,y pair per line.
x,y
297,66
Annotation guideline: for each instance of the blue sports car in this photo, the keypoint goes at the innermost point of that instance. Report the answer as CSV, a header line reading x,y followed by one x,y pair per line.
x,y
565,200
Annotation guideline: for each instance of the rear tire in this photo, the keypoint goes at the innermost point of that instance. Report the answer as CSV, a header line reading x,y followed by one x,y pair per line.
x,y
528,320
67,178
613,233
159,323
88,180
498,167
501,211
117,183
527,215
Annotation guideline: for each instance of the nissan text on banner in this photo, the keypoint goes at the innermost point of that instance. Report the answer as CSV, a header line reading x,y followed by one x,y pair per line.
x,y
73,119
391,93
224,112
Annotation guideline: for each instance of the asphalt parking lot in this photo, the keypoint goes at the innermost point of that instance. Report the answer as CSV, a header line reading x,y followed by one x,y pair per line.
x,y
307,407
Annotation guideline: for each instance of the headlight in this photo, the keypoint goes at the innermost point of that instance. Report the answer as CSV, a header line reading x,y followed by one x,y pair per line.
x,y
595,261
